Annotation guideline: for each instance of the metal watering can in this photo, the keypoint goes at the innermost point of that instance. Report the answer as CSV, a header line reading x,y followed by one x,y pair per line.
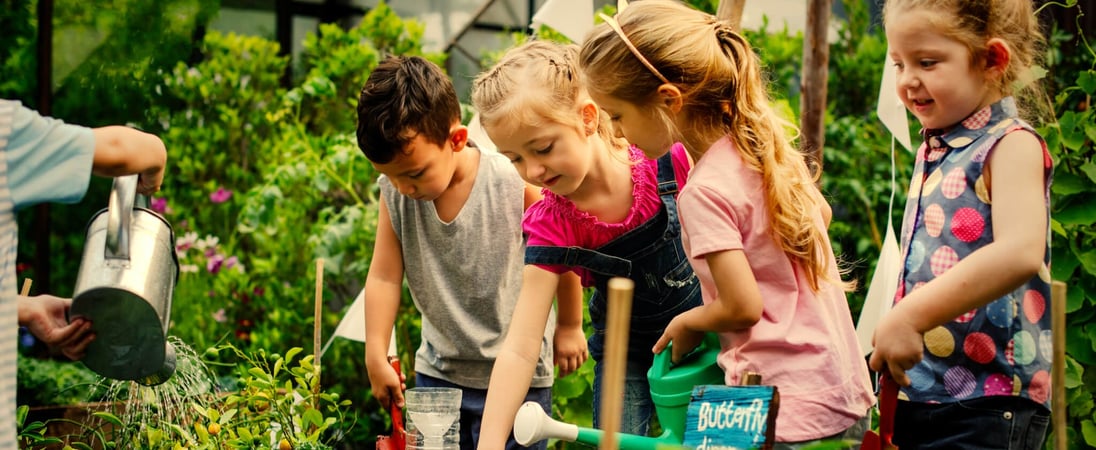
x,y
124,287
671,390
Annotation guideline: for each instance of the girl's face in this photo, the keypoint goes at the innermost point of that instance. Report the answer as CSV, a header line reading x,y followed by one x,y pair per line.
x,y
935,78
548,154
641,127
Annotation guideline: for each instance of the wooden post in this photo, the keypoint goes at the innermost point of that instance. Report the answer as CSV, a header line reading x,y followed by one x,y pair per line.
x,y
731,11
317,333
812,99
616,359
1058,365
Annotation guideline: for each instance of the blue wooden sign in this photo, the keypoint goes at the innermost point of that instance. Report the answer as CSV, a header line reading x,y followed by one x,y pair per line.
x,y
731,417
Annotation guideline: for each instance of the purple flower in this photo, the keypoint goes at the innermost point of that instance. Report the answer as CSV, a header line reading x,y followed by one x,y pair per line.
x,y
159,204
221,195
26,339
215,262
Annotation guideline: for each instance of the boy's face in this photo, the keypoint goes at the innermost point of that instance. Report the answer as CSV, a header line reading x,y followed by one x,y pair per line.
x,y
424,170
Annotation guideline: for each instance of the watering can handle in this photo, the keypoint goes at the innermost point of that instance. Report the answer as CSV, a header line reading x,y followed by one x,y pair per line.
x,y
119,213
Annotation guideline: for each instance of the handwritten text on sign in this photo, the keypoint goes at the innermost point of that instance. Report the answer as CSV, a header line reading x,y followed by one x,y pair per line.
x,y
723,417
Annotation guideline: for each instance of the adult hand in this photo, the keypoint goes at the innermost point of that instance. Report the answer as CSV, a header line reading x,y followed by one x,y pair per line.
x,y
44,316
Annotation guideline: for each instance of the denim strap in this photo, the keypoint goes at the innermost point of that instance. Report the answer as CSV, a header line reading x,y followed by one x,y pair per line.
x,y
591,260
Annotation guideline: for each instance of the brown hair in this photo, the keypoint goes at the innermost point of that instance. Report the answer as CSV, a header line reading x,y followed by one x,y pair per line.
x,y
723,94
402,98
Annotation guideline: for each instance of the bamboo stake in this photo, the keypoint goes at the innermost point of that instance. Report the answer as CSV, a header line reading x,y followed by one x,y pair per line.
x,y
1058,365
316,334
26,287
616,359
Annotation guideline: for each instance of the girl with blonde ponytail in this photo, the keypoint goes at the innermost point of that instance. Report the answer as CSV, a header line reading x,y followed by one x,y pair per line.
x,y
753,221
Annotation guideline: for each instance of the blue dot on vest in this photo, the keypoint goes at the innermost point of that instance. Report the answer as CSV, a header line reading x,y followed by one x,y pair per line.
x,y
1002,311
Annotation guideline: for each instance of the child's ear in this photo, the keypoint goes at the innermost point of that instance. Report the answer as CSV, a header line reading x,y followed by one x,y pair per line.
x,y
671,97
458,137
998,56
591,116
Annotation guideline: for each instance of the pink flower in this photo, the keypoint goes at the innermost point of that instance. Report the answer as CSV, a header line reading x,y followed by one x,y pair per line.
x,y
220,316
159,205
214,263
221,195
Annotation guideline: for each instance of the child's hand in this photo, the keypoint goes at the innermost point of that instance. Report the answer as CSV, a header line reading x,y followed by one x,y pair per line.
x,y
386,383
569,349
898,347
684,339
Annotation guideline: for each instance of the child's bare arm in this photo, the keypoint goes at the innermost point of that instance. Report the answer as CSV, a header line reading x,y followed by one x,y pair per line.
x,y
383,290
570,340
1014,256
122,150
739,305
517,360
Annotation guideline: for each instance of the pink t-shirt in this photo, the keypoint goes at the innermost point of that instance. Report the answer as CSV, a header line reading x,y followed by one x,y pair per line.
x,y
554,220
805,343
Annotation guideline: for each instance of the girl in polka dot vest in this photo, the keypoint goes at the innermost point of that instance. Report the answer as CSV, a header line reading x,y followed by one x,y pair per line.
x,y
968,338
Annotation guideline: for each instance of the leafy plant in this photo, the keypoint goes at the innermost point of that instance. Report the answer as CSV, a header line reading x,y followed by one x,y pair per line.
x,y
1072,142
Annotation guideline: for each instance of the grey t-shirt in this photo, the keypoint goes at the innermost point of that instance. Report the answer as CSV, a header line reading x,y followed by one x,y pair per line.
x,y
465,275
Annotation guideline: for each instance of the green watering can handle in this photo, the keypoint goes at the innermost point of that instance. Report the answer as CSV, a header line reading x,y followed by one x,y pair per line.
x,y
662,362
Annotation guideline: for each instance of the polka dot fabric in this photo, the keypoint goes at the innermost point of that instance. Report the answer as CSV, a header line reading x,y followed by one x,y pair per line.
x,y
1001,348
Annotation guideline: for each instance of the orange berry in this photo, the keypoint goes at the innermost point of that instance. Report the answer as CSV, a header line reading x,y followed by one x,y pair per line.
x,y
214,428
284,445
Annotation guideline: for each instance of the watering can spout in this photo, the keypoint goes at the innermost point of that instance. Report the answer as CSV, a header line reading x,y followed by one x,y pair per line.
x,y
532,425
124,287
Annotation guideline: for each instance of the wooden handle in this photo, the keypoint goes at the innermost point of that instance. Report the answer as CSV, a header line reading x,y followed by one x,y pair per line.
x,y
26,287
317,332
1058,365
616,359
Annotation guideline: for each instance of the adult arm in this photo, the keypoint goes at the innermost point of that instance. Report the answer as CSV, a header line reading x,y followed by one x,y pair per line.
x,y
123,150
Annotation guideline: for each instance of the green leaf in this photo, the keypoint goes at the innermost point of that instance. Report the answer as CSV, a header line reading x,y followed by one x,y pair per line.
x,y
1088,261
292,352
1088,430
313,416
1063,265
1089,169
111,418
1077,213
1074,372
1079,345
1087,81
1066,183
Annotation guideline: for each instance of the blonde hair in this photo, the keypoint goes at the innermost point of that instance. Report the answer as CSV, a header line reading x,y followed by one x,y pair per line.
x,y
974,22
535,82
723,94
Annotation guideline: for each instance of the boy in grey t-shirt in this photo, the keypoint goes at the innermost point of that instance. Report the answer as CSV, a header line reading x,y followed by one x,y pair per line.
x,y
450,223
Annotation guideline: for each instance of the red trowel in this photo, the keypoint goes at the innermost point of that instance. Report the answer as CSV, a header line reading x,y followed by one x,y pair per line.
x,y
397,441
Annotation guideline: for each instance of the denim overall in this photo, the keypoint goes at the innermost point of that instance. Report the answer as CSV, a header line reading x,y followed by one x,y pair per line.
x,y
665,286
